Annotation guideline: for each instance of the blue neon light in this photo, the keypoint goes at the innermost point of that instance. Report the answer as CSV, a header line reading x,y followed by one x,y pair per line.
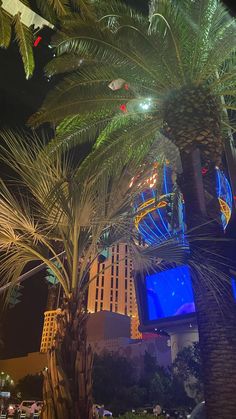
x,y
154,226
233,282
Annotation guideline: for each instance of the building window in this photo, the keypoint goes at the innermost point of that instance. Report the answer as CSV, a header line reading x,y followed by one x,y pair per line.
x,y
126,272
117,282
116,308
96,306
97,282
112,259
126,299
96,293
117,248
101,306
116,296
117,258
111,282
111,295
126,248
98,268
102,291
102,281
117,270
112,269
110,306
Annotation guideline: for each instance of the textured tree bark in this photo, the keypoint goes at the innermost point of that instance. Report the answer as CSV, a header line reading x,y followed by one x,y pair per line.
x,y
215,306
68,379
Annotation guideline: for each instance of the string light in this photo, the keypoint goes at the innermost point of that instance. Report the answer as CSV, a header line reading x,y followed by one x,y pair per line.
x,y
123,108
37,41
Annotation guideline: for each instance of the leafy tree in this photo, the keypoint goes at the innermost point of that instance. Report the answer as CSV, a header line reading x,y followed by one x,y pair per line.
x,y
162,387
30,387
167,73
118,387
114,382
63,218
188,368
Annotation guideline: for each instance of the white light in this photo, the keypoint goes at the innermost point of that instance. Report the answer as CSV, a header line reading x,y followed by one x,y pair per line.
x,y
144,106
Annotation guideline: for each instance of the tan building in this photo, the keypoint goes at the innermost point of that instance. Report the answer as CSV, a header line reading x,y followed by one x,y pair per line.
x,y
112,286
111,289
49,329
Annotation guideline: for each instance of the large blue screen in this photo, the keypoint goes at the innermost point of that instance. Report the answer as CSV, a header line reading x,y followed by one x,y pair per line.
x,y
169,293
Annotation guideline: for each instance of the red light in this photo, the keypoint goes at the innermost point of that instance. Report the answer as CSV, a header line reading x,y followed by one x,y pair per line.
x,y
126,86
235,197
204,171
37,40
123,108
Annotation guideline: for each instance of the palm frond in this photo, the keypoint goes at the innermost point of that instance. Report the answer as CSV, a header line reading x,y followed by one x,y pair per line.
x,y
5,29
79,129
61,7
46,10
85,8
64,64
24,39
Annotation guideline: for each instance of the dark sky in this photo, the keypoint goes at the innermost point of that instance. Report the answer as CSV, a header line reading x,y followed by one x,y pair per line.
x,y
19,98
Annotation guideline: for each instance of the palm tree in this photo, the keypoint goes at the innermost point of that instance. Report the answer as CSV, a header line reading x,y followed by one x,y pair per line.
x,y
21,22
52,210
130,77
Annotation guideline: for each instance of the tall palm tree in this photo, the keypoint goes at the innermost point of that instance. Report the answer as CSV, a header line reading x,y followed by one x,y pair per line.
x,y
131,76
49,210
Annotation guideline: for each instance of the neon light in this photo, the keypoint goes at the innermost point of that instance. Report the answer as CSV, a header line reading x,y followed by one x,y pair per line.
x,y
204,171
139,217
159,213
153,222
123,108
37,41
151,213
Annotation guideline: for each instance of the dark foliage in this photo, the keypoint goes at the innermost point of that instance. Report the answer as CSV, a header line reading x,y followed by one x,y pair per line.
x,y
31,387
120,389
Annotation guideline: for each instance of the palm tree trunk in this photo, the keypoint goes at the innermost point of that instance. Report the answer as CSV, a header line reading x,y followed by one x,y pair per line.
x,y
215,306
68,379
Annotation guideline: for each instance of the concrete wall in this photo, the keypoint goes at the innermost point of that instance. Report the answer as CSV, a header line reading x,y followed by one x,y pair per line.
x,y
17,368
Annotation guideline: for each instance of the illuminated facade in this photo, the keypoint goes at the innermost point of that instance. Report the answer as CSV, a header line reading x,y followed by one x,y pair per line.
x,y
49,329
112,287
159,207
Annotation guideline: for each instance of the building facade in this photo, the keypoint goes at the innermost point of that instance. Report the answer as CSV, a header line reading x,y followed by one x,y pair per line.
x,y
49,330
112,287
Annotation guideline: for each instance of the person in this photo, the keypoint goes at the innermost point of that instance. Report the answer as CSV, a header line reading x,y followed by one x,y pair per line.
x,y
101,411
157,410
33,409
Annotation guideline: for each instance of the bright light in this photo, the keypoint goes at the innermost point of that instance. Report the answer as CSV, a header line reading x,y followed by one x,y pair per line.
x,y
145,105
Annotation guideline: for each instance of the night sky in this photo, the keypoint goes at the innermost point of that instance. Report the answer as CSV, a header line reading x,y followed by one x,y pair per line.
x,y
22,325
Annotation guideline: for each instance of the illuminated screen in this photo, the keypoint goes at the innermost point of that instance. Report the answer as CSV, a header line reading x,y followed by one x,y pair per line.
x,y
169,293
